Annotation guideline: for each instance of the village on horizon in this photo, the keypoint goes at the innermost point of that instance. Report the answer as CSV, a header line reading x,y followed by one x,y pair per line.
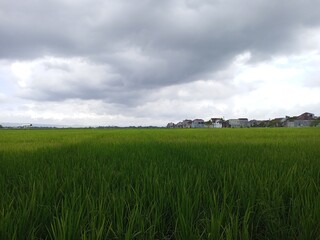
x,y
304,120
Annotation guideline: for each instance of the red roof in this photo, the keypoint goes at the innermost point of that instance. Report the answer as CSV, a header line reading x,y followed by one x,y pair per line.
x,y
306,116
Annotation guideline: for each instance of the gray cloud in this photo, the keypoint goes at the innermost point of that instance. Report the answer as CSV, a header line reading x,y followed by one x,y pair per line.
x,y
133,49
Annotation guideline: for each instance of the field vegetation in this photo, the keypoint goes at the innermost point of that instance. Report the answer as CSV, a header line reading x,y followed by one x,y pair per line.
x,y
160,184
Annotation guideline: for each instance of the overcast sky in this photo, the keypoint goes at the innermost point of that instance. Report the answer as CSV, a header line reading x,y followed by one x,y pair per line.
x,y
149,62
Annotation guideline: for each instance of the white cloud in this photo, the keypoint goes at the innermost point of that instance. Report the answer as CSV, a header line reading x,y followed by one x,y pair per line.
x,y
2,97
278,87
256,90
52,78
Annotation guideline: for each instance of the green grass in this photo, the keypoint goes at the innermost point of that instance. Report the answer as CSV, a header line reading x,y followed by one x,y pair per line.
x,y
160,184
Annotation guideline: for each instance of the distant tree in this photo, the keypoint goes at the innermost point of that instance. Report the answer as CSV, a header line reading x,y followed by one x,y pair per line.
x,y
1,126
315,123
208,122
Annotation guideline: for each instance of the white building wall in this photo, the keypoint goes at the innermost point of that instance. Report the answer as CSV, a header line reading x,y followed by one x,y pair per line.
x,y
197,124
217,125
234,123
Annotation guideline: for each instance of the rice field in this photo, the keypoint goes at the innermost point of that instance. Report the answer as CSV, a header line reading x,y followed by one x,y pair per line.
x,y
160,184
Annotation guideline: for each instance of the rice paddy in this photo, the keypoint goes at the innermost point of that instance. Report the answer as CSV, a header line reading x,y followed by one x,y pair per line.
x,y
160,184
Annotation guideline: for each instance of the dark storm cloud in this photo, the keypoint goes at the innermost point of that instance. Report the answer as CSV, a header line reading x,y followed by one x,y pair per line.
x,y
147,44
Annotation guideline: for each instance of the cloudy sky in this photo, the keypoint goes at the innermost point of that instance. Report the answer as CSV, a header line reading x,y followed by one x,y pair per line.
x,y
149,62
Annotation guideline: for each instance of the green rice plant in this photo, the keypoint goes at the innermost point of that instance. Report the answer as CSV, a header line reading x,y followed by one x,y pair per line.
x,y
160,184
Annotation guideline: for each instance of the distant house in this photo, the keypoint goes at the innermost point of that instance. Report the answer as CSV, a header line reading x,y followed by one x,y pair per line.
x,y
186,123
217,122
197,123
302,123
26,126
179,125
306,116
289,124
238,123
234,123
303,120
244,122
299,123
217,125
